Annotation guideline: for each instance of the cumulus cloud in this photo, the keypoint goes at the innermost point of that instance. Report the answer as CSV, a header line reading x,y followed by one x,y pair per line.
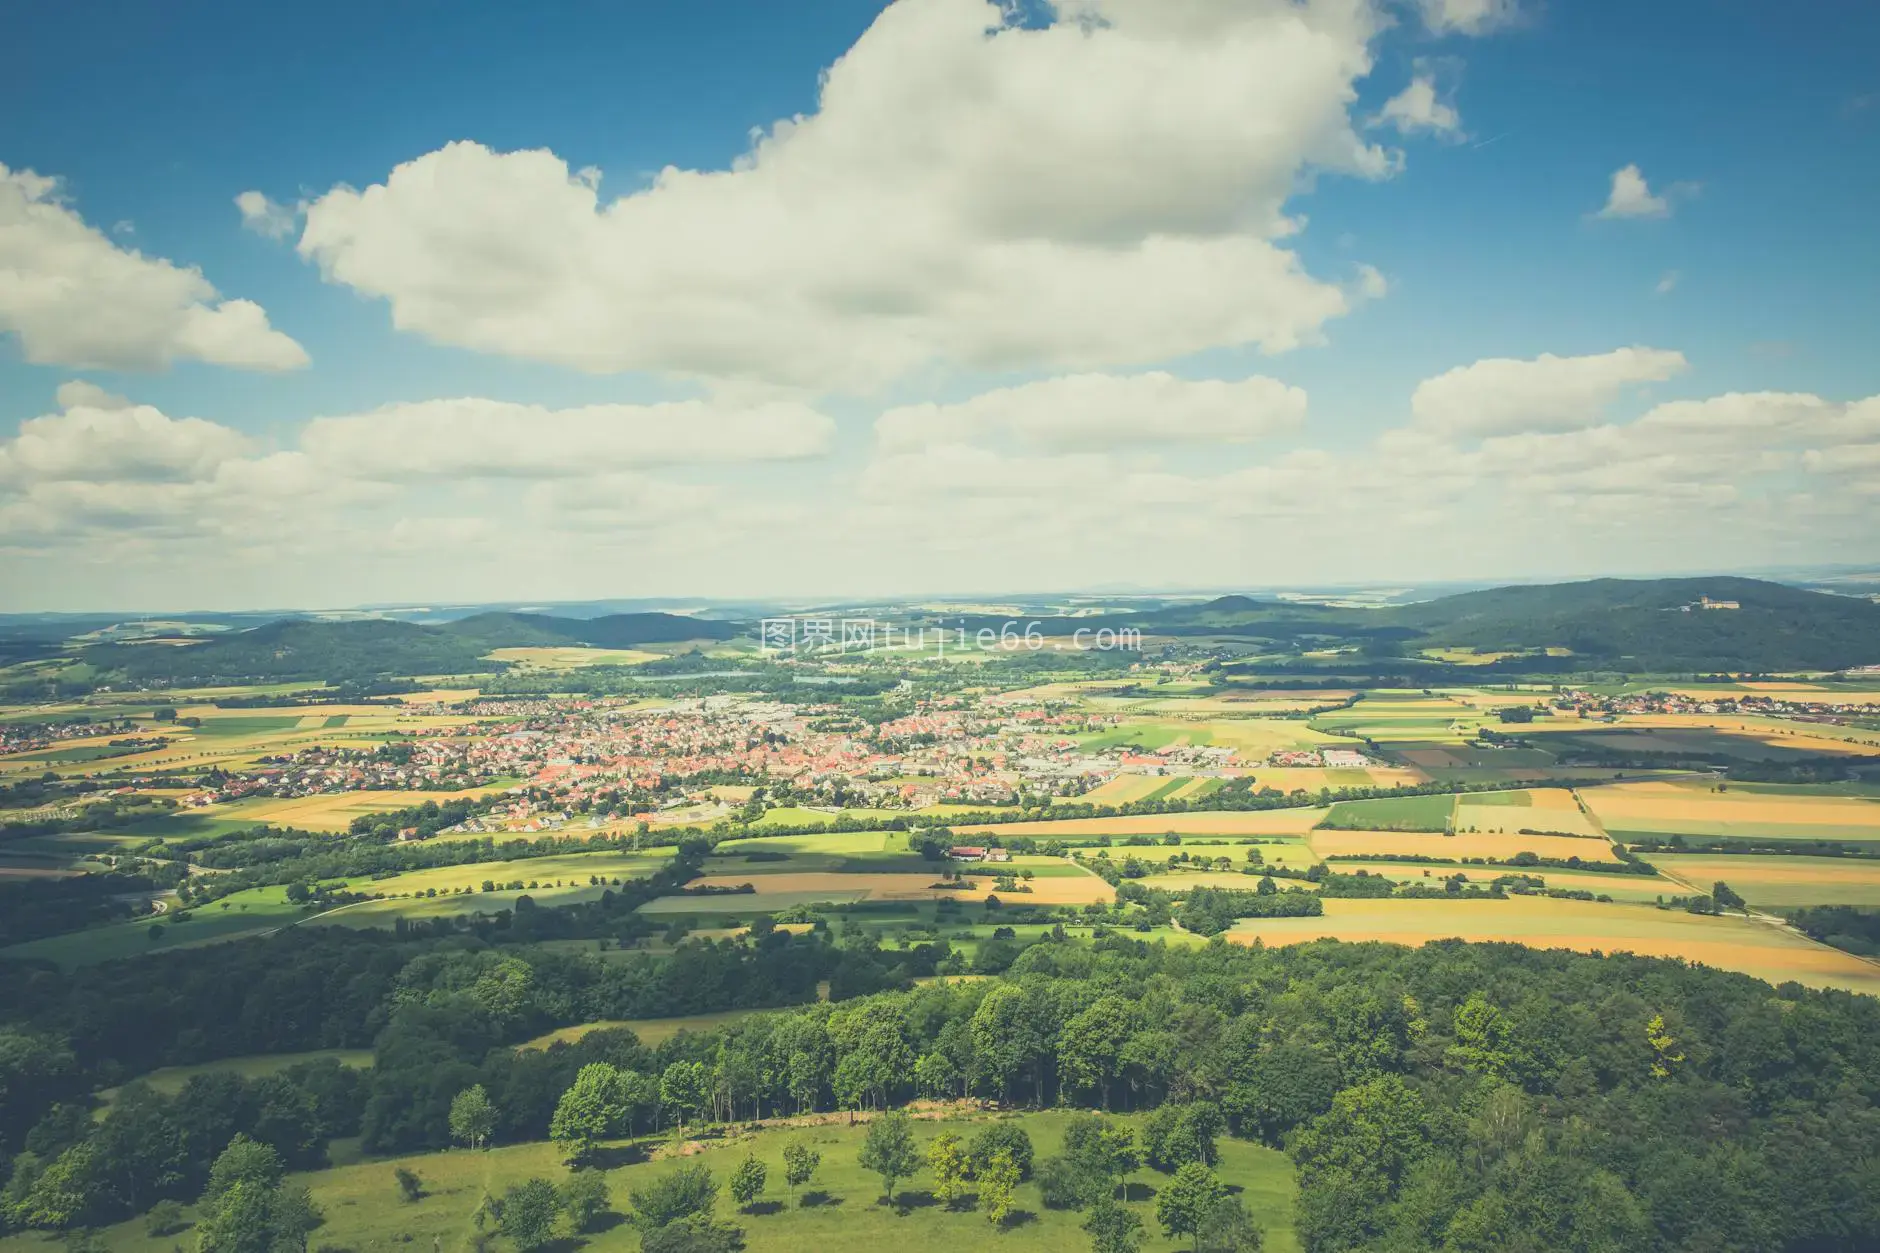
x,y
266,218
1549,393
1631,197
75,298
1104,190
470,436
1418,110
101,438
1102,410
1468,17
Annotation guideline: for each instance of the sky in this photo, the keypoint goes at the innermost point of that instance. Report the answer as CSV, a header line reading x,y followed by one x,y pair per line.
x,y
460,303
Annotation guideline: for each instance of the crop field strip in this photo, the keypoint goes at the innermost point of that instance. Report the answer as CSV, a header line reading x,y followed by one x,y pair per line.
x,y
1753,947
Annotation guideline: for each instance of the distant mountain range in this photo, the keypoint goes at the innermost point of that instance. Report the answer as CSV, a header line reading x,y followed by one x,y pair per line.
x,y
1641,625
299,649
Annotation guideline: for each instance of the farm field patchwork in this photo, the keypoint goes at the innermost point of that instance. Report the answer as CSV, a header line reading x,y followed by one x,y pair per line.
x,y
1755,948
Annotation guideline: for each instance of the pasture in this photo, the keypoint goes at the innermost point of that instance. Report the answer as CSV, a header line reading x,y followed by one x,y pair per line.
x,y
1756,948
1395,813
364,1211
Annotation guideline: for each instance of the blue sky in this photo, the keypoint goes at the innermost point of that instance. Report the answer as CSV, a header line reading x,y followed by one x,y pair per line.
x,y
974,214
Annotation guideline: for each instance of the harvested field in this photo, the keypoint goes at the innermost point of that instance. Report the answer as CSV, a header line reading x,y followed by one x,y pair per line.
x,y
332,812
1214,822
1754,948
1125,788
1183,880
1329,843
1621,887
1779,882
1693,808
1547,809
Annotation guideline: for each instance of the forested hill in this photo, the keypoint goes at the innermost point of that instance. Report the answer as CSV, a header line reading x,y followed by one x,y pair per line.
x,y
1640,624
296,649
1644,623
620,630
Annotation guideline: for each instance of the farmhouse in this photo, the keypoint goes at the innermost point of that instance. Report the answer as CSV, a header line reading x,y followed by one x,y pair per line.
x,y
972,852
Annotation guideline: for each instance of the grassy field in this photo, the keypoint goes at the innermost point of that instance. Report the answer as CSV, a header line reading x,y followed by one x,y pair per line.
x,y
1395,813
652,1032
1780,882
244,913
170,1079
1729,943
363,1209
570,658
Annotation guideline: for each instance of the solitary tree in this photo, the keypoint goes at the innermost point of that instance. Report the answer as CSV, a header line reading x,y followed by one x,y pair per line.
x,y
889,1151
747,1182
472,1117
799,1163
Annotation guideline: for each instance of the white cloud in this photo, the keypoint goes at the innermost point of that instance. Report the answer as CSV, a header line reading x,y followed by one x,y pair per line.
x,y
1102,410
470,436
1501,395
1468,17
1666,281
101,438
1630,197
1417,109
266,218
75,298
1103,191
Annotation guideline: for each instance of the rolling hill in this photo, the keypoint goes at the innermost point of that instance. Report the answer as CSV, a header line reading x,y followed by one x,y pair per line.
x,y
1637,624
620,630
